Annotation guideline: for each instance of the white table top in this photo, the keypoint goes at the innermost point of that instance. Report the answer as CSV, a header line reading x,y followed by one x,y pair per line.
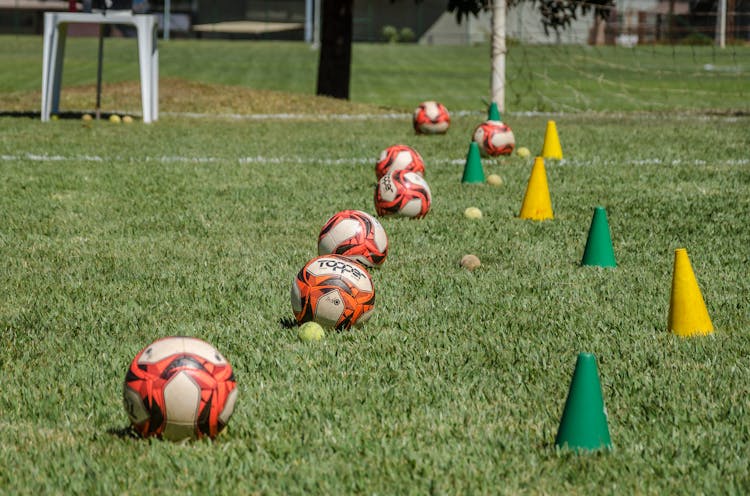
x,y
98,17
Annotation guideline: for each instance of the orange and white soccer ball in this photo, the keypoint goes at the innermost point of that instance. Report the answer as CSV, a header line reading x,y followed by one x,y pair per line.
x,y
431,118
356,235
399,157
179,388
494,138
404,193
333,291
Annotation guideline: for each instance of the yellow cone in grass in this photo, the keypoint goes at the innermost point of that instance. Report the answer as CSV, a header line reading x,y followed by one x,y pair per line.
x,y
310,331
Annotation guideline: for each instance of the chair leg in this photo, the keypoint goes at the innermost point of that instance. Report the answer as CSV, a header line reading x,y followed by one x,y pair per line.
x,y
48,63
147,52
59,37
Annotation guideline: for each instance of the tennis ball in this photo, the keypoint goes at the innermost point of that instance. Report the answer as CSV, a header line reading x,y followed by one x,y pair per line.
x,y
87,117
310,331
127,119
115,118
54,117
523,152
469,262
473,213
494,180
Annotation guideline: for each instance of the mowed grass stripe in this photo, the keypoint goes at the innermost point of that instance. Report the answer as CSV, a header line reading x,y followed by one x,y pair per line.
x,y
545,78
363,160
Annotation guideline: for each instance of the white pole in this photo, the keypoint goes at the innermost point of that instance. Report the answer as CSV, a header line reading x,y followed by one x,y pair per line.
x,y
308,20
167,9
316,25
722,23
497,86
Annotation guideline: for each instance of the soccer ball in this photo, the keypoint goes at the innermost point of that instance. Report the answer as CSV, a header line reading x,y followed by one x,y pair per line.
x,y
333,291
494,138
179,388
398,157
431,118
402,192
356,235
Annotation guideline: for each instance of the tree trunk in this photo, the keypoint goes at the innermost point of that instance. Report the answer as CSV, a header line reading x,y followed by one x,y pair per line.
x,y
497,84
334,66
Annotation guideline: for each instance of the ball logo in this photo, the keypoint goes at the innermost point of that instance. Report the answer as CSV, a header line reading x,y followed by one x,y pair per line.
x,y
387,184
340,266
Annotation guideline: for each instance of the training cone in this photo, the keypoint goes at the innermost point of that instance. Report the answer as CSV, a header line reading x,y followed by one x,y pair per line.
x,y
493,114
688,315
598,249
473,171
583,426
536,203
551,148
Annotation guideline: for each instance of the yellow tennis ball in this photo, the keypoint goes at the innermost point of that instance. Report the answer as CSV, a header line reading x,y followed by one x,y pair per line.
x,y
115,118
87,117
523,152
473,213
310,331
494,180
127,119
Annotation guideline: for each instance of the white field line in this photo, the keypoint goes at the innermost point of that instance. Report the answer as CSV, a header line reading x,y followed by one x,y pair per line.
x,y
574,112
317,117
171,159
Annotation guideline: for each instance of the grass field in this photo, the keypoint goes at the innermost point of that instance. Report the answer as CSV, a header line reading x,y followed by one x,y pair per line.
x,y
112,236
540,78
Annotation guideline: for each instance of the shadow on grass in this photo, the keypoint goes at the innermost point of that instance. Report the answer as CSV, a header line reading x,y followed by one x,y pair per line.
x,y
287,323
123,432
29,114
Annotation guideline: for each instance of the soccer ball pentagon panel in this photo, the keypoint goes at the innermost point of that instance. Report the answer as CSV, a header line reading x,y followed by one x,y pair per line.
x,y
431,118
179,388
403,193
333,291
399,157
356,235
494,138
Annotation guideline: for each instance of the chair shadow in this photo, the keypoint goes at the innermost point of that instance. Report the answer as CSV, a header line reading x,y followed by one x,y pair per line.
x,y
35,114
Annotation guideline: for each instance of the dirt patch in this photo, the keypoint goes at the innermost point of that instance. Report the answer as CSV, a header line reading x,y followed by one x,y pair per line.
x,y
178,95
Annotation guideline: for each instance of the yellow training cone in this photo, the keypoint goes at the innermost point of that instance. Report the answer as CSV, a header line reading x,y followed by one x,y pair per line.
x,y
551,148
536,203
687,310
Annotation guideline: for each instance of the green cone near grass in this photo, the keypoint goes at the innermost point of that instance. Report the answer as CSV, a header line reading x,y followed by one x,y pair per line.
x,y
473,171
583,426
599,249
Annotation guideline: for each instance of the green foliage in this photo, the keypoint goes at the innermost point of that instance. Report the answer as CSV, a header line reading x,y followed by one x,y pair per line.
x,y
407,35
390,34
393,35
556,14
697,39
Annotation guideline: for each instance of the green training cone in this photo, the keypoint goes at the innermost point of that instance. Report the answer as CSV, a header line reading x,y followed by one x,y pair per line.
x,y
473,171
583,426
598,249
493,114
